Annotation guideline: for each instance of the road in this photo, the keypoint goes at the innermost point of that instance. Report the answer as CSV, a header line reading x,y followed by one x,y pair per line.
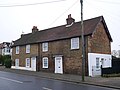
x,y
12,81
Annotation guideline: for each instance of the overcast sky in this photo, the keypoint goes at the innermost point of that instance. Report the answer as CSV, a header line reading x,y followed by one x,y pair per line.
x,y
15,19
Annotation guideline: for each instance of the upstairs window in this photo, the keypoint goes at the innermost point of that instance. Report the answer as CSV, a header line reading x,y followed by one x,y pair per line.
x,y
75,43
27,48
45,62
45,47
8,50
17,49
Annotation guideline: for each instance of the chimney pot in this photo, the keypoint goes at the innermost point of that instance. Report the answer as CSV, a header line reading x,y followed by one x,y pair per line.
x,y
34,29
70,20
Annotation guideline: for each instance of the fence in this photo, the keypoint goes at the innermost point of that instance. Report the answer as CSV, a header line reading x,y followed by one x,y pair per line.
x,y
115,69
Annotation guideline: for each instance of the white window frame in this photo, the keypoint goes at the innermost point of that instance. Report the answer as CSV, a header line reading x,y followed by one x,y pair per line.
x,y
45,47
27,62
45,62
97,62
17,62
27,48
8,50
75,43
17,49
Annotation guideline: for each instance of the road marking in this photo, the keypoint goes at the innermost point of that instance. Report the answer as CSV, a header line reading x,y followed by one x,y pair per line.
x,y
46,88
11,80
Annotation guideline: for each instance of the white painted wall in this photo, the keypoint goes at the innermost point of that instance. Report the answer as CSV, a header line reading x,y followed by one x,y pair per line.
x,y
32,68
5,51
22,68
104,60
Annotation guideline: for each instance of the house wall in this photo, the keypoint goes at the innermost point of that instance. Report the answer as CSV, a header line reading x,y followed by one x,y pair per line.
x,y
23,55
104,59
71,58
99,41
6,51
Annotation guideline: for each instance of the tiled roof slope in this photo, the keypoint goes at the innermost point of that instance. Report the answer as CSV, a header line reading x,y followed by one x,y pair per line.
x,y
62,32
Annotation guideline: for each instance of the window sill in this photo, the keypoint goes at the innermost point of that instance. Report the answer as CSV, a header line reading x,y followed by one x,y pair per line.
x,y
74,49
45,68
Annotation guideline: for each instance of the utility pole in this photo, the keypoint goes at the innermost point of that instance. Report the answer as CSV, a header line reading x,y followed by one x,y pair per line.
x,y
83,43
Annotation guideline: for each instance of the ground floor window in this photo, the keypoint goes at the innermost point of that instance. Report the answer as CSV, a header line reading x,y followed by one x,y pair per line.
x,y
27,62
97,63
45,62
17,62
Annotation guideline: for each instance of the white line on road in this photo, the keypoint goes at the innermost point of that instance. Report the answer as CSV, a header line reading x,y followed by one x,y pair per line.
x,y
11,80
46,88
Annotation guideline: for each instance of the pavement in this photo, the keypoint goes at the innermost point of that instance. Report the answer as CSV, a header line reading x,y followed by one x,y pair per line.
x,y
111,82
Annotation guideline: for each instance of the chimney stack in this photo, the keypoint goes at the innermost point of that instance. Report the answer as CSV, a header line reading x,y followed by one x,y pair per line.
x,y
34,29
70,20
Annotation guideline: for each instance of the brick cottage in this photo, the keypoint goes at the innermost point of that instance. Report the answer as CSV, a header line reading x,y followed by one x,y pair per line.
x,y
58,49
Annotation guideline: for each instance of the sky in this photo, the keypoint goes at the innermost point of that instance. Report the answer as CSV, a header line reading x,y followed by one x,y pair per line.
x,y
19,16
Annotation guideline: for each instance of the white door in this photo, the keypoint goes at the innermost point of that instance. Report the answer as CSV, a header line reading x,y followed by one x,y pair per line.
x,y
33,63
58,65
16,63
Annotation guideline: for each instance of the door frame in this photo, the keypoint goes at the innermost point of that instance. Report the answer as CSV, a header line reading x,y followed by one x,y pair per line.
x,y
61,62
35,61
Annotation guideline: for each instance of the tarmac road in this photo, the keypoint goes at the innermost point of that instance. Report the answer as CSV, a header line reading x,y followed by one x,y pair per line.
x,y
12,81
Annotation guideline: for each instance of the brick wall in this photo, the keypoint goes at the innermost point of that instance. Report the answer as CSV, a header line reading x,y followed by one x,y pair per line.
x,y
23,55
71,58
99,41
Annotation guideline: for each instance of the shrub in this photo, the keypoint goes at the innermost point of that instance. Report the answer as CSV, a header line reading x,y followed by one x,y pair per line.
x,y
8,63
1,60
4,58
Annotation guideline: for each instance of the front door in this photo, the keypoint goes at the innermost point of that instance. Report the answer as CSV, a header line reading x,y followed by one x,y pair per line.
x,y
33,63
58,65
16,63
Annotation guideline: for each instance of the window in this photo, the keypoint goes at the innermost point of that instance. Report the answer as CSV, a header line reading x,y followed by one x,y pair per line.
x,y
97,63
8,50
102,61
27,48
17,49
75,43
17,62
45,47
27,62
45,62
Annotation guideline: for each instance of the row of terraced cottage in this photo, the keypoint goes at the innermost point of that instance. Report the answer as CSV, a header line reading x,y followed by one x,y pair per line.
x,y
59,49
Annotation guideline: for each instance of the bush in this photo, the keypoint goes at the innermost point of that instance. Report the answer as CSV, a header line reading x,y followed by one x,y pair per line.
x,y
8,63
1,60
4,58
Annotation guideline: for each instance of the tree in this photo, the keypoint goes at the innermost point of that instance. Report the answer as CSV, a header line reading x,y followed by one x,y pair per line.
x,y
6,60
1,60
114,53
8,63
118,53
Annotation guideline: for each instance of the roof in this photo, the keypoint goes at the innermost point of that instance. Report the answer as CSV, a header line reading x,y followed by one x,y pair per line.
x,y
62,32
2,45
